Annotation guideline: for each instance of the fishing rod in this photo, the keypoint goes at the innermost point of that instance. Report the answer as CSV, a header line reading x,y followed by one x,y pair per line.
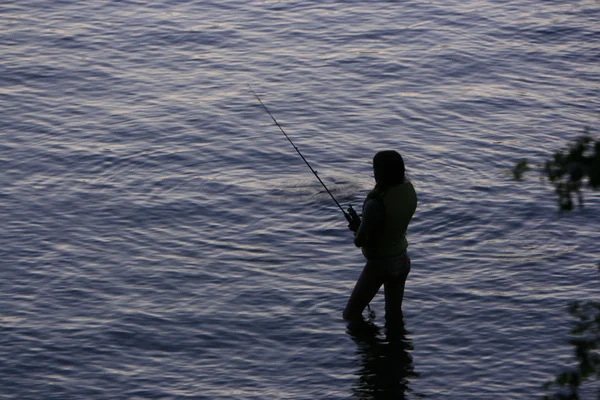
x,y
351,215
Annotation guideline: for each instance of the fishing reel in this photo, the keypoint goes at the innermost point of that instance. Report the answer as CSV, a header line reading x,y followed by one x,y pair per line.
x,y
353,219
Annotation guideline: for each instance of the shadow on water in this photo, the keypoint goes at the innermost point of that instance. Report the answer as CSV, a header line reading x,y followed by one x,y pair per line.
x,y
385,365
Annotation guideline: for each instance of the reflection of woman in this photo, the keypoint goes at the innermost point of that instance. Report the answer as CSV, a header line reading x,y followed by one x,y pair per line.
x,y
381,235
385,365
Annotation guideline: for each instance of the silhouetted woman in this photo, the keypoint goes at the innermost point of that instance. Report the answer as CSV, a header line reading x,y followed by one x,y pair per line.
x,y
381,235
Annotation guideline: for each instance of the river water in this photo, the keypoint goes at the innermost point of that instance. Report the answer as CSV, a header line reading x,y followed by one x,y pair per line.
x,y
161,239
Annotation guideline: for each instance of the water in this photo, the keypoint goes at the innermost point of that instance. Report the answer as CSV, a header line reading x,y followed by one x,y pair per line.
x,y
162,240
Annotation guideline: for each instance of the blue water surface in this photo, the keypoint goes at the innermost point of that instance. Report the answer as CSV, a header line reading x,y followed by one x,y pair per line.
x,y
161,239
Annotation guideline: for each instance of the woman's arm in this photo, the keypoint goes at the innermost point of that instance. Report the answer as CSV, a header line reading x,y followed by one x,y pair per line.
x,y
371,221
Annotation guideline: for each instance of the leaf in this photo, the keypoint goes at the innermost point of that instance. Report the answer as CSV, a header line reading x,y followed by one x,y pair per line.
x,y
520,168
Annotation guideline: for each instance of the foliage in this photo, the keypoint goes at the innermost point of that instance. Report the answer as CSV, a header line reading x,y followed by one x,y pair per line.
x,y
569,171
519,170
585,339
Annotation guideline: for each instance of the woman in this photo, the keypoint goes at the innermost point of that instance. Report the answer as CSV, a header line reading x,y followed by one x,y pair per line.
x,y
381,235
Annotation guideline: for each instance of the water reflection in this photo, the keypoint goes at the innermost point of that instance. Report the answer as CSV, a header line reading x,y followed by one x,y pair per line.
x,y
385,365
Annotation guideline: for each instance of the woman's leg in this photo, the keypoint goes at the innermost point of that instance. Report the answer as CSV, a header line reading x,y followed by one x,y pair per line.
x,y
394,290
366,288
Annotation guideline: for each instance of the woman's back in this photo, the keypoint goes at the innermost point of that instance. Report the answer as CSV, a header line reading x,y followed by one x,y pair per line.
x,y
396,207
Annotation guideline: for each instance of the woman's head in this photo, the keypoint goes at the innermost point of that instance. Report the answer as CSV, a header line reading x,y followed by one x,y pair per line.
x,y
388,167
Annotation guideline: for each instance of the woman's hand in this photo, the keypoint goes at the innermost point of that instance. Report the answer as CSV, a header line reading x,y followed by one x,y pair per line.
x,y
354,220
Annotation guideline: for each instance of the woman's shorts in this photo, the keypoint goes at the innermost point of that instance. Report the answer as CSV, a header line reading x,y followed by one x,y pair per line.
x,y
394,267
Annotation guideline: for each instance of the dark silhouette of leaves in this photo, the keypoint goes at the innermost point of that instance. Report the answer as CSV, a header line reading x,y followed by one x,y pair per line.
x,y
569,171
